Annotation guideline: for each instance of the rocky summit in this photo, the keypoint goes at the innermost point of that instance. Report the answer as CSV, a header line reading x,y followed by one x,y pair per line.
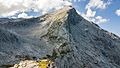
x,y
63,36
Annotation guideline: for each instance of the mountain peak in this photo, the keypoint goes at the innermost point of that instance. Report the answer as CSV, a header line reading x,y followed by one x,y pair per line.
x,y
67,12
62,36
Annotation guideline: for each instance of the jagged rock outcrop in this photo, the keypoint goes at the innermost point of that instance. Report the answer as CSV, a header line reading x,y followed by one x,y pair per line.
x,y
68,38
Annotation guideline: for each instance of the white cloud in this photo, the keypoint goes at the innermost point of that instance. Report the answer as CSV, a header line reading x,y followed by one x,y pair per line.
x,y
93,18
100,19
118,12
23,15
90,13
98,4
75,0
11,7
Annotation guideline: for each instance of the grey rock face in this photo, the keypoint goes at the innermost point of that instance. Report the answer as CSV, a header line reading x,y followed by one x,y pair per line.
x,y
72,41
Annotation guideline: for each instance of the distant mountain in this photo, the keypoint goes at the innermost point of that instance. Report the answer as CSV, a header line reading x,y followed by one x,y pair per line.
x,y
71,40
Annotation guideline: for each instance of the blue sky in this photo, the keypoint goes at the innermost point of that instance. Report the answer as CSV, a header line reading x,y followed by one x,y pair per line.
x,y
106,13
113,23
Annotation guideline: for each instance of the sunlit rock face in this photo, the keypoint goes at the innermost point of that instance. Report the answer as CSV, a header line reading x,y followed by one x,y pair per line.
x,y
65,36
26,64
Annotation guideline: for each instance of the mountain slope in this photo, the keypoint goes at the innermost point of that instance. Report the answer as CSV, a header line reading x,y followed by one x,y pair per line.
x,y
72,41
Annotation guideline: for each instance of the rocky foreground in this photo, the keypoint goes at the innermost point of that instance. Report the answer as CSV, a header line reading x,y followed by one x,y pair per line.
x,y
26,64
63,36
35,64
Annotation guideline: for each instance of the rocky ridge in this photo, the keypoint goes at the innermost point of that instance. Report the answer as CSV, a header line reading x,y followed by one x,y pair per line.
x,y
64,36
